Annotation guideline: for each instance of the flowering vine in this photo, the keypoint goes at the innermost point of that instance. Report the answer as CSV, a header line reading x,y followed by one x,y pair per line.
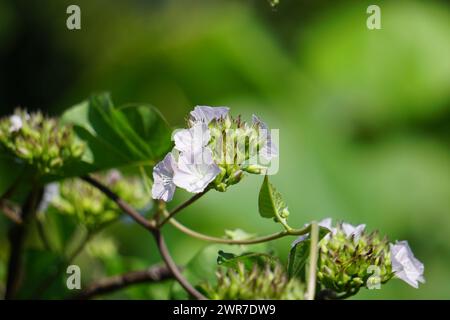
x,y
214,152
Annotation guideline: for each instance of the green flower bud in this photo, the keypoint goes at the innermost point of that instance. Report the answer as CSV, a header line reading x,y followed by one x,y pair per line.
x,y
267,282
39,141
90,206
350,260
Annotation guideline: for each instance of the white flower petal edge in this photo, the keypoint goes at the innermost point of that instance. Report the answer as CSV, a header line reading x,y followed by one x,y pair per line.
x,y
326,223
404,265
51,191
269,150
163,173
195,171
207,114
192,140
351,230
16,123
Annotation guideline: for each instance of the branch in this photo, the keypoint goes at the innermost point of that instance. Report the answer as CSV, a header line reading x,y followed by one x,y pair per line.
x,y
121,203
17,237
190,201
155,232
204,237
111,284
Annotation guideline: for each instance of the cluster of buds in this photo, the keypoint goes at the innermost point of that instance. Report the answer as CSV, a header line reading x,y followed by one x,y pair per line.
x,y
350,258
91,207
213,152
260,282
39,141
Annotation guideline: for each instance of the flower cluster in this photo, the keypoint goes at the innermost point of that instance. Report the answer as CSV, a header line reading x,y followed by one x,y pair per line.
x,y
350,258
259,282
91,207
39,141
214,151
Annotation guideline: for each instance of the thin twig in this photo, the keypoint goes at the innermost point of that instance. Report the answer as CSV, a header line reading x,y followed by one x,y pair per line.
x,y
121,203
152,228
204,237
17,237
190,201
111,284
173,268
313,255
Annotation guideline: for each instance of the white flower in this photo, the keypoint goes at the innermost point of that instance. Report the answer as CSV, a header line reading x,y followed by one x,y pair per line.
x,y
192,140
16,123
350,230
326,223
51,191
268,150
195,171
163,173
207,114
404,265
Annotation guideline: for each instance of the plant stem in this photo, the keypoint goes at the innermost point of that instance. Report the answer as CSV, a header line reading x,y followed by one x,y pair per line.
x,y
111,284
173,267
185,204
204,237
155,232
17,238
149,225
313,255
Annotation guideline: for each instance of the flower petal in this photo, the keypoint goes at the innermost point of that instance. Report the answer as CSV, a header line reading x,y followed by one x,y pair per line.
x,y
404,265
207,114
16,123
268,149
192,140
163,187
196,171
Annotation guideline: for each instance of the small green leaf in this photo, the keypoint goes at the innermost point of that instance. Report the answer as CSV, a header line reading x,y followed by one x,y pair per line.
x,y
271,204
299,253
117,137
248,259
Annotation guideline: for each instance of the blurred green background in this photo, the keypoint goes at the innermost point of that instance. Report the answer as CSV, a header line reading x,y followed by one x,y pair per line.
x,y
364,115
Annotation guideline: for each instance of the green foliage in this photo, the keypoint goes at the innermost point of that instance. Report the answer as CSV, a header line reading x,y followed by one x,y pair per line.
x,y
299,254
259,282
38,141
117,137
91,207
271,204
346,264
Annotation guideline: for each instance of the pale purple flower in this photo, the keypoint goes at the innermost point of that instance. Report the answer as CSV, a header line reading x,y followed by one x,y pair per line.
x,y
268,149
207,114
16,123
326,223
192,140
163,173
353,231
195,171
404,265
51,191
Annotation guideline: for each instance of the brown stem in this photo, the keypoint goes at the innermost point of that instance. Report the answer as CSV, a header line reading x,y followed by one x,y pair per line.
x,y
121,203
17,236
182,206
111,284
161,244
155,232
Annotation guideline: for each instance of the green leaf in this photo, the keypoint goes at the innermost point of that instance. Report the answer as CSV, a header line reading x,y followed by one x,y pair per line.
x,y
203,266
117,137
299,254
248,259
270,203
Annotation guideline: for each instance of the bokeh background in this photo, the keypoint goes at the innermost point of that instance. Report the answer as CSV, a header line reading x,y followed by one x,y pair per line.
x,y
364,116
